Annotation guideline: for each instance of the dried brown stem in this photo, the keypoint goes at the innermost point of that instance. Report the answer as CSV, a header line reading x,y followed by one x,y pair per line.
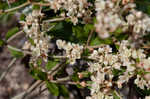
x,y
15,8
41,4
14,36
24,5
19,50
89,37
54,20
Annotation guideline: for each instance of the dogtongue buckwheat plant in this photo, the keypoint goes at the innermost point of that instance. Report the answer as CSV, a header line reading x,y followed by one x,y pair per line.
x,y
95,48
39,44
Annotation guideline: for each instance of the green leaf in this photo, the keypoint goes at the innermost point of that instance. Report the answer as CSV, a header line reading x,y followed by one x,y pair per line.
x,y
79,86
118,31
89,87
36,7
53,88
115,95
121,36
117,72
31,41
19,2
64,91
137,59
11,32
2,4
15,53
39,62
96,41
62,30
86,74
38,74
1,43
85,52
88,27
107,41
75,77
51,64
22,17
89,82
142,5
142,72
94,19
78,31
6,17
142,92
117,46
148,10
81,33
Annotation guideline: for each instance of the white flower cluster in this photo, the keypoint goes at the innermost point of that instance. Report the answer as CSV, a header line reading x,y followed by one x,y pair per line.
x,y
107,18
39,41
147,97
139,21
128,63
100,95
75,8
73,51
111,16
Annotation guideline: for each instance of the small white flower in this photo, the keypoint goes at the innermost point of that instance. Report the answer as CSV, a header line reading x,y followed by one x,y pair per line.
x,y
134,54
141,54
147,97
116,66
95,87
60,44
140,82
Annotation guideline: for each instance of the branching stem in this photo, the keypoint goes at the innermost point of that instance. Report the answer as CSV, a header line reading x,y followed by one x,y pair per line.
x,y
24,5
14,36
15,8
